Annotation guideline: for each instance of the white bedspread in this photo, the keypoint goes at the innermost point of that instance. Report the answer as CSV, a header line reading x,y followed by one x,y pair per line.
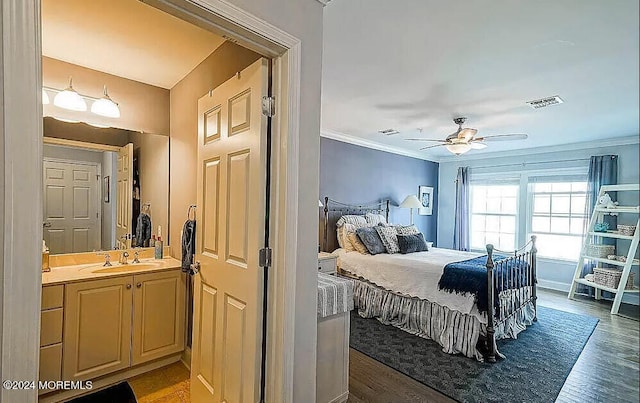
x,y
413,274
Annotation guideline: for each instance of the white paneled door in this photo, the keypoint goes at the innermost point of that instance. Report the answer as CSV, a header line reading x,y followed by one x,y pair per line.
x,y
124,197
71,207
232,150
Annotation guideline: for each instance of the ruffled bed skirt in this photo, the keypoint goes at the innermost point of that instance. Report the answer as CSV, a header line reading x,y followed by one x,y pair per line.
x,y
456,332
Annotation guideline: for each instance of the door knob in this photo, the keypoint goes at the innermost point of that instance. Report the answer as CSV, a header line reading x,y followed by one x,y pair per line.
x,y
195,267
128,286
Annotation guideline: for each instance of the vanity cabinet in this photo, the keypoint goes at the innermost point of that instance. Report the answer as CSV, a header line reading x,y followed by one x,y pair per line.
x,y
51,333
158,315
119,322
97,327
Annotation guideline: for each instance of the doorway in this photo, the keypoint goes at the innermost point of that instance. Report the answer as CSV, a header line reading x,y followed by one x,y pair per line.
x,y
286,50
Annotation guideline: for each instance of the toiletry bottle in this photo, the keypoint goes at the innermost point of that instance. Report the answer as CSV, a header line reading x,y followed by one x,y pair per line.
x,y
45,257
158,245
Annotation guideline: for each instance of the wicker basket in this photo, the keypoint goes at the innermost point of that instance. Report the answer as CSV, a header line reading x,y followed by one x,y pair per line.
x,y
626,229
611,277
600,251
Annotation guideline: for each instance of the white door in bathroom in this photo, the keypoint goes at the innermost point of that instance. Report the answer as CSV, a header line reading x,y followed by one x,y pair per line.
x,y
124,197
227,320
71,214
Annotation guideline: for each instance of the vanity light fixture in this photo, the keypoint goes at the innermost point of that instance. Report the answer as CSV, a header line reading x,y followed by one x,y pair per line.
x,y
105,106
70,99
45,97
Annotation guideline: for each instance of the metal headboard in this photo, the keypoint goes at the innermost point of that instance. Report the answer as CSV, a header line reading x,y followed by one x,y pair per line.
x,y
334,209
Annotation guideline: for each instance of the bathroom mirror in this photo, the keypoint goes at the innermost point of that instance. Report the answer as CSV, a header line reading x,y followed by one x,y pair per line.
x,y
104,188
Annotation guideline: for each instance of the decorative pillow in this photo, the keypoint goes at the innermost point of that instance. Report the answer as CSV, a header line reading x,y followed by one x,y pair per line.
x,y
407,229
339,236
389,238
357,220
371,240
412,243
346,241
375,219
357,243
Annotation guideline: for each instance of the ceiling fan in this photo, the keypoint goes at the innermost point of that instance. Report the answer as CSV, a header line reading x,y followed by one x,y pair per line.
x,y
464,139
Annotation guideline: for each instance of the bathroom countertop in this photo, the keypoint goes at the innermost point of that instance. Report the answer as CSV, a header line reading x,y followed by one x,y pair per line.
x,y
93,271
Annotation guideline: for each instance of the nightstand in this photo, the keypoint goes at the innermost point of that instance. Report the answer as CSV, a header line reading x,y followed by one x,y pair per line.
x,y
327,263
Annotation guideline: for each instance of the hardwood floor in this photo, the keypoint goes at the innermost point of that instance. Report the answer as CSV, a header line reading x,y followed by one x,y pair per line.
x,y
607,370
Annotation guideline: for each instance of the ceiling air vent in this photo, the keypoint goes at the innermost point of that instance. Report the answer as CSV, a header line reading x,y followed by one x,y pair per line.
x,y
544,102
388,132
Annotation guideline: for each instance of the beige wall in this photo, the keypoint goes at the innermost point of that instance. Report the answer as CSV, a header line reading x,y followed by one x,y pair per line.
x,y
221,65
143,107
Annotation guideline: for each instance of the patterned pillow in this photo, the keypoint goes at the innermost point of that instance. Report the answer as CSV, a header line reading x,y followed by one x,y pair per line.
x,y
412,243
339,236
407,229
346,241
371,240
357,243
351,219
389,238
375,219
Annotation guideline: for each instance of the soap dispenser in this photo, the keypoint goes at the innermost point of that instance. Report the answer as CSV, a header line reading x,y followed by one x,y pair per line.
x,y
45,258
159,246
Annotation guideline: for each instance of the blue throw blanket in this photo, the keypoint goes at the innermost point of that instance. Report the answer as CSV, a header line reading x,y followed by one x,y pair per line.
x,y
470,276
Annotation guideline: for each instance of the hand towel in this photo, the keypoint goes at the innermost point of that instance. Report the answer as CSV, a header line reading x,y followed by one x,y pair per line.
x,y
188,244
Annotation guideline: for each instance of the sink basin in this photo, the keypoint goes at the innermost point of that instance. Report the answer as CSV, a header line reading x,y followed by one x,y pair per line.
x,y
127,267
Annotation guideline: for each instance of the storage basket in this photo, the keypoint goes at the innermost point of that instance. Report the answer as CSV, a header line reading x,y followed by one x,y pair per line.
x,y
611,277
600,251
626,229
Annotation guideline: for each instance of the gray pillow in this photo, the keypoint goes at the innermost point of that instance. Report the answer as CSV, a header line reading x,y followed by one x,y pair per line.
x,y
371,240
412,243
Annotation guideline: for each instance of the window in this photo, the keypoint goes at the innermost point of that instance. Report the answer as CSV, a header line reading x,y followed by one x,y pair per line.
x,y
557,215
494,210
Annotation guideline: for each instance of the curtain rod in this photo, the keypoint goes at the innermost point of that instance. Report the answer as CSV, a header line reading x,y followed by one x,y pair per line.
x,y
533,163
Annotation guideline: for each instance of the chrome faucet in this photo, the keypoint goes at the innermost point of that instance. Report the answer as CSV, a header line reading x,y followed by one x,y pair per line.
x,y
136,256
123,257
107,259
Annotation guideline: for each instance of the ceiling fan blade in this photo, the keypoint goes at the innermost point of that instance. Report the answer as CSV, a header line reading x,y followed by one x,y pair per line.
x,y
438,141
503,137
476,145
437,145
467,134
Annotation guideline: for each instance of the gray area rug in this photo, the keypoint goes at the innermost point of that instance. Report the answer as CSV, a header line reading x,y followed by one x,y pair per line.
x,y
535,369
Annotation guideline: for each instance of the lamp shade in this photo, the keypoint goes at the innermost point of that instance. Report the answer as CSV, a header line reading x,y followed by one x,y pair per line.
x,y
70,99
459,148
105,106
411,201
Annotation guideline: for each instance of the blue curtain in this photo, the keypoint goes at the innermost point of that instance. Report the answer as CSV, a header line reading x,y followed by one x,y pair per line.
x,y
461,229
603,170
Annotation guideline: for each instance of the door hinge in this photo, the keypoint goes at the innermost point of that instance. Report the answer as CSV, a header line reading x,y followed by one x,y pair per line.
x,y
264,257
268,106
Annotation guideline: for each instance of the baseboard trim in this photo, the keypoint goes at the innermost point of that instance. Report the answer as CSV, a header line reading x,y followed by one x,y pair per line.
x,y
109,380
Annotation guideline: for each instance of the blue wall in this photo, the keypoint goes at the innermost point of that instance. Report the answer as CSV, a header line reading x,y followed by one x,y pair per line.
x,y
354,174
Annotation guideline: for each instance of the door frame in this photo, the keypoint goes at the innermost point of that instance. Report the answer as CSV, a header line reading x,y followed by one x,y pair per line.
x,y
21,143
99,195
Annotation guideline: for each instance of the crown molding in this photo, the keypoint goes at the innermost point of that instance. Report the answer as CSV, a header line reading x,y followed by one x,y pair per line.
x,y
614,142
357,141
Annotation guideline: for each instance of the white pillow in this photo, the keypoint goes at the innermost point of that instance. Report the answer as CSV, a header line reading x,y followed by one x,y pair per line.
x,y
375,219
351,219
406,229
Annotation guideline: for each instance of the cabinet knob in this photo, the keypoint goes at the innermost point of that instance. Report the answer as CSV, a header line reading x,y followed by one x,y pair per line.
x,y
139,285
195,268
128,286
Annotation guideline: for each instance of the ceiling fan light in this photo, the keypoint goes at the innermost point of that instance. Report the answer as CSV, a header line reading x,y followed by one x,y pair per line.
x,y
105,106
70,99
45,97
477,145
459,148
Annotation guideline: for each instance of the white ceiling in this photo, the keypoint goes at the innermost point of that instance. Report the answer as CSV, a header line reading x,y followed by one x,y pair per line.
x,y
126,38
418,63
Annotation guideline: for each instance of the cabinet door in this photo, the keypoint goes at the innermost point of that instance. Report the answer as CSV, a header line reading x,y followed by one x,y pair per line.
x,y
158,315
97,327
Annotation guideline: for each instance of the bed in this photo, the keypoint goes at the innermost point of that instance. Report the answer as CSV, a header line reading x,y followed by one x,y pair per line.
x,y
405,290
